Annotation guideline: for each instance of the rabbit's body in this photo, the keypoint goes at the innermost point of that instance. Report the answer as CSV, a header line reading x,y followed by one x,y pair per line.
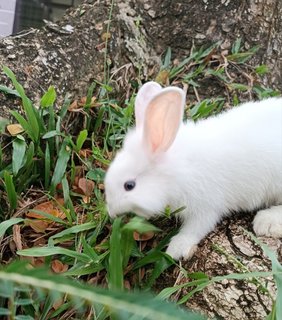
x,y
233,160
226,163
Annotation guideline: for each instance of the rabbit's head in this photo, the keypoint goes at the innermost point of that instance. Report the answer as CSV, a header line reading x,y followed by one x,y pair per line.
x,y
136,180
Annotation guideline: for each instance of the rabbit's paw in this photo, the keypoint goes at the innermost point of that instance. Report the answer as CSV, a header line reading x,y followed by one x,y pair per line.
x,y
268,222
181,246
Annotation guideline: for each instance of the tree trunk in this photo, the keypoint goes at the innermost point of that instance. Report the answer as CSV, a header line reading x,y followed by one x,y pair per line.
x,y
129,40
71,53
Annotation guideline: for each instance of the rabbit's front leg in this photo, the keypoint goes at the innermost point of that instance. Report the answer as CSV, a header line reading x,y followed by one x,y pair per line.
x,y
193,230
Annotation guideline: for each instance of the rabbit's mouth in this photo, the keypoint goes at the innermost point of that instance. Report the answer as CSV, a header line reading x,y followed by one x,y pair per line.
x,y
113,212
116,211
141,212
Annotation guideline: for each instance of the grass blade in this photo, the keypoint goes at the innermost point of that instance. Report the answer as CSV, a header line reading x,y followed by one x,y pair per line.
x,y
90,95
144,305
64,107
51,251
81,139
5,225
61,165
1,158
29,155
115,259
74,230
21,120
10,189
49,98
127,243
47,167
70,212
19,148
8,90
27,105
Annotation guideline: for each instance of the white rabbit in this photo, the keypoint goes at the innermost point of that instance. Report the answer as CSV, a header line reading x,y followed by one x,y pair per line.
x,y
229,162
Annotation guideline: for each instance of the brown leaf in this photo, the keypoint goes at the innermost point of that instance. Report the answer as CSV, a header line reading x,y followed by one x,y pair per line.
x,y
38,261
60,201
39,226
143,236
82,102
85,153
47,207
86,186
39,223
79,104
40,242
58,267
14,129
73,106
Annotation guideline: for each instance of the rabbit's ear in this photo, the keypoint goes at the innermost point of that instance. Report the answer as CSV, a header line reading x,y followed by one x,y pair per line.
x,y
163,118
144,95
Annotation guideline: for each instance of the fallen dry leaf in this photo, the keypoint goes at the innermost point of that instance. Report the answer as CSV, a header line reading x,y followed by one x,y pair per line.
x,y
38,222
85,186
38,261
39,241
60,201
14,129
39,226
73,106
48,207
58,267
79,104
143,236
85,153
92,104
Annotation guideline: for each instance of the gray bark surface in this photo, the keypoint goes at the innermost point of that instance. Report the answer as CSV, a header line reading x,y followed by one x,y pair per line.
x,y
228,249
139,31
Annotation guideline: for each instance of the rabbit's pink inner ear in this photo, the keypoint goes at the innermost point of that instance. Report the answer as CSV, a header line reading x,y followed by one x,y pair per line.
x,y
146,93
163,118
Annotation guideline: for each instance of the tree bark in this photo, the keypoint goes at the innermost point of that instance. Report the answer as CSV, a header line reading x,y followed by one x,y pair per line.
x,y
129,41
71,53
229,249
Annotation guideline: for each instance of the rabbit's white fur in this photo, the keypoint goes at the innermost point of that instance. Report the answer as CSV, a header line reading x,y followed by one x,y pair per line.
x,y
229,162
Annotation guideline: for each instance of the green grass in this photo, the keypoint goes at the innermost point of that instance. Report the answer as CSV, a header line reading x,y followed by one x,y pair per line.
x,y
46,160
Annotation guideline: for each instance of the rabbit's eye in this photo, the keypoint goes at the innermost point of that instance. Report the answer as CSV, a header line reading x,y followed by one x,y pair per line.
x,y
129,185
